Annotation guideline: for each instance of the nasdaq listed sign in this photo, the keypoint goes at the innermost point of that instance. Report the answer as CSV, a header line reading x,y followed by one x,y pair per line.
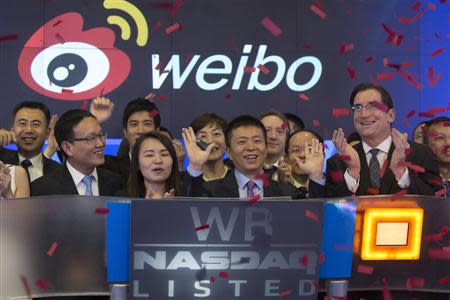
x,y
248,252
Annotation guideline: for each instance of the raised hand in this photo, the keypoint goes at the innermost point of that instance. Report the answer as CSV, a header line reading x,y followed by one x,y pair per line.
x,y
6,137
101,108
312,165
284,172
5,181
401,145
169,194
344,148
52,145
197,157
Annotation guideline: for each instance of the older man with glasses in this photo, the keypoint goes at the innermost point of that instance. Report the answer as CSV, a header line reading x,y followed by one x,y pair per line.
x,y
385,162
82,141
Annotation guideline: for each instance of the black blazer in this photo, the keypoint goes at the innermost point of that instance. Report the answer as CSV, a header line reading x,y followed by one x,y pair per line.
x,y
227,187
421,183
60,182
118,165
12,157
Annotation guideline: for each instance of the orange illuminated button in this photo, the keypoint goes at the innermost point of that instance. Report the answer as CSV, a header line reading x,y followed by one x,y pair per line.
x,y
392,233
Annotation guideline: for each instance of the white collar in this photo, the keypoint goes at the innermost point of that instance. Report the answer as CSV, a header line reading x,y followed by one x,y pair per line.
x,y
383,146
77,175
35,160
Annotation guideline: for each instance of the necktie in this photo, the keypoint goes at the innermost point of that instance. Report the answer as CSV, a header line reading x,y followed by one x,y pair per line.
x,y
87,180
447,185
250,185
26,163
374,168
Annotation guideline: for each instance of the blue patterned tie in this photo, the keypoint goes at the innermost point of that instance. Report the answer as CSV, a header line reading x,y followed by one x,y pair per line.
x,y
87,180
250,185
374,168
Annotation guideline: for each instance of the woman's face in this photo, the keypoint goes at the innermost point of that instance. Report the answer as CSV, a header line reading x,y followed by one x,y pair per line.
x,y
212,133
155,161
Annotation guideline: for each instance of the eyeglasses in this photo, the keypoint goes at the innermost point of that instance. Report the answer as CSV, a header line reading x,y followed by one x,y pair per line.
x,y
359,107
90,140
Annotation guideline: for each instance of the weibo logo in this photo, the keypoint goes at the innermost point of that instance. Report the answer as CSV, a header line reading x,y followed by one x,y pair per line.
x,y
62,61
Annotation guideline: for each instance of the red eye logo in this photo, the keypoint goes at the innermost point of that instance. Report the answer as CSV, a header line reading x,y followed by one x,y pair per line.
x,y
62,61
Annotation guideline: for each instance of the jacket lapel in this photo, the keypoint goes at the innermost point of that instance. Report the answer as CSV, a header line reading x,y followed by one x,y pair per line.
x,y
67,181
364,177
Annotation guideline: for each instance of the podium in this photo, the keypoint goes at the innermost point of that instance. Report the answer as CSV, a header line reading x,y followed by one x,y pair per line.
x,y
62,246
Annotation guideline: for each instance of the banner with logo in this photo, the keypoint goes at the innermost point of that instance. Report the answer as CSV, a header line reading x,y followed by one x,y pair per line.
x,y
225,250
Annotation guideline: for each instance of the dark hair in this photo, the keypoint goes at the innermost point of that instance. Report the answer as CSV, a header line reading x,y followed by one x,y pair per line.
x,y
164,129
428,124
385,96
33,105
138,105
136,187
65,124
315,134
296,120
206,119
353,137
244,121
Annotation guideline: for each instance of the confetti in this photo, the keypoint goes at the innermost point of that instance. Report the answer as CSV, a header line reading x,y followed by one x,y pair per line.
x,y
431,6
303,97
426,114
410,79
432,80
40,283
264,177
249,69
60,39
26,286
416,6
228,96
344,48
365,269
285,124
156,26
306,46
437,52
369,59
311,215
414,282
384,168
273,28
202,227
385,76
373,191
351,72
212,279
177,5
9,37
444,280
318,11
434,237
399,194
102,211
254,199
52,249
437,110
416,168
393,37
344,157
304,260
410,114
172,28
316,123
321,258
380,106
405,20
153,113
285,293
340,112
405,121
264,69
337,176
439,253
223,275
441,193
84,105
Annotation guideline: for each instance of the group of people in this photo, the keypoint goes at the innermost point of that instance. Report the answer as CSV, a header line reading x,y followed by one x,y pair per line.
x,y
271,155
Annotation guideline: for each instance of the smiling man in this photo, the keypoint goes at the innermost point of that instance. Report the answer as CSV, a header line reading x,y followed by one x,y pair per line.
x,y
82,142
246,140
379,163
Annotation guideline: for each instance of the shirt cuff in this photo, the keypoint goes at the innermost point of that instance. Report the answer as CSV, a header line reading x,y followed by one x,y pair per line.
x,y
352,183
193,173
404,181
319,181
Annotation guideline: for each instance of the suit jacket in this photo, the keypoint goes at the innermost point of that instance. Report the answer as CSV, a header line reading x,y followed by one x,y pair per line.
x,y
420,183
12,157
118,165
227,187
60,182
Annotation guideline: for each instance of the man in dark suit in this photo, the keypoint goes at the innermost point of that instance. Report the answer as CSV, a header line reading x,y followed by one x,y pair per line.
x,y
82,142
385,162
31,122
246,141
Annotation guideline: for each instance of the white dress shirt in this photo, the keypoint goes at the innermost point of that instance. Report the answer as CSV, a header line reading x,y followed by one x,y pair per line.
x,y
36,170
78,177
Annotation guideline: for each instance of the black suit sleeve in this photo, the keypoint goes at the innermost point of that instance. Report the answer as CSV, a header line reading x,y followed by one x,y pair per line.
x,y
335,185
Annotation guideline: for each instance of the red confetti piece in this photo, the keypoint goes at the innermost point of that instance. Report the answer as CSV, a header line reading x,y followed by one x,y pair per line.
x,y
311,215
380,106
416,168
410,114
306,46
42,284
399,194
351,72
285,293
102,211
52,249
254,199
273,28
223,275
373,191
443,230
156,26
344,48
84,105
57,23
316,123
385,76
337,176
416,6
446,124
431,6
439,253
318,11
435,181
153,113
410,79
365,269
387,294
444,280
405,121
264,69
432,80
438,109
66,91
177,5
384,168
426,114
408,151
320,4
441,193
304,260
321,258
264,177
212,279
414,282
393,37
340,112
26,286
172,28
60,39
434,237
249,69
344,157
202,227
349,10
285,124
369,59
159,65
437,52
303,97
405,20
162,5
9,37
228,96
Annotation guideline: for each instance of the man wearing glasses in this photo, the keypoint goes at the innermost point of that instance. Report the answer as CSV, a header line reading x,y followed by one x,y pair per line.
x,y
385,162
82,142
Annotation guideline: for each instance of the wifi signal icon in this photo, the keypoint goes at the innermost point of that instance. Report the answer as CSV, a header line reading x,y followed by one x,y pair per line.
x,y
136,15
